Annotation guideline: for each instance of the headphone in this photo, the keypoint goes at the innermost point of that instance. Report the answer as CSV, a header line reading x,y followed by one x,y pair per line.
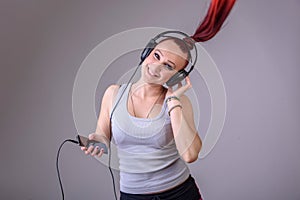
x,y
181,74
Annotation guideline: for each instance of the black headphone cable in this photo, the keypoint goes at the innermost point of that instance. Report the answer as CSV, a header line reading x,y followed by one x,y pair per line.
x,y
57,167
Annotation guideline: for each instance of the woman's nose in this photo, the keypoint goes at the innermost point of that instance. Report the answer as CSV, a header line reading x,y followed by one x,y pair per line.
x,y
156,68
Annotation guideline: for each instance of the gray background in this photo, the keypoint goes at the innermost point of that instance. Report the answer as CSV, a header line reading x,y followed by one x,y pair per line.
x,y
43,44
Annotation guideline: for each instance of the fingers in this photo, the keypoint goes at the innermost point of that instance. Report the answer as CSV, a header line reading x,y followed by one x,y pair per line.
x,y
89,150
93,151
181,88
185,87
97,152
92,136
170,89
179,84
100,153
188,82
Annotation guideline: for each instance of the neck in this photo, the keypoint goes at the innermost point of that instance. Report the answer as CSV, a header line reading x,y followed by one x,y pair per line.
x,y
145,90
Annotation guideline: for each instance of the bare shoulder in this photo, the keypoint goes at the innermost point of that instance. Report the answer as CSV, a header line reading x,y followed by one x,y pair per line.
x,y
111,91
109,97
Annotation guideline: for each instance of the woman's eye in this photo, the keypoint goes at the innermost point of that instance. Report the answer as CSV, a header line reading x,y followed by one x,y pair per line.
x,y
169,67
157,56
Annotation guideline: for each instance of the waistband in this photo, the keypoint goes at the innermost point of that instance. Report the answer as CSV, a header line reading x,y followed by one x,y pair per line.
x,y
186,190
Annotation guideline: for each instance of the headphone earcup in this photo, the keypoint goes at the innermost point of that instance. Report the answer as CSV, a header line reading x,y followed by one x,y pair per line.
x,y
176,78
148,49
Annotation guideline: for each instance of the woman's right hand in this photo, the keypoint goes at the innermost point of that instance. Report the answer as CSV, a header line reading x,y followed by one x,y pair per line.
x,y
92,150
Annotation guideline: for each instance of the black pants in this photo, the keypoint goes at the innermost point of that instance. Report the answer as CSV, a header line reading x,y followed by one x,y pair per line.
x,y
188,190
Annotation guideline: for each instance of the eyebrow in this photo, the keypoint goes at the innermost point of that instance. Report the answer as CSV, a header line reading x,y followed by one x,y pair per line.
x,y
167,60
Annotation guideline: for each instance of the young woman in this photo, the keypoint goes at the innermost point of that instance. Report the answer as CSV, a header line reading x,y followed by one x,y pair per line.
x,y
153,126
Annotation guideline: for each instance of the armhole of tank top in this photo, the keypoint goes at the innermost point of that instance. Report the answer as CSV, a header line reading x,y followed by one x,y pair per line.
x,y
110,112
117,94
116,98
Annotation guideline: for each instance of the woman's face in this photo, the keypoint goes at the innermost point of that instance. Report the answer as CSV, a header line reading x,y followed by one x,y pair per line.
x,y
163,62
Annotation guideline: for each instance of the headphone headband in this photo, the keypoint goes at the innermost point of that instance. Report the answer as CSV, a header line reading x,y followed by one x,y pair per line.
x,y
153,42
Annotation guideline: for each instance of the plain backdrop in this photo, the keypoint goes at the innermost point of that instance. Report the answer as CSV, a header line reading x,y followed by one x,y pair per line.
x,y
43,43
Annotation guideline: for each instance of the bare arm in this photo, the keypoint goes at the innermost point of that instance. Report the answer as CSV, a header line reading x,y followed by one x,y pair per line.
x,y
186,136
102,132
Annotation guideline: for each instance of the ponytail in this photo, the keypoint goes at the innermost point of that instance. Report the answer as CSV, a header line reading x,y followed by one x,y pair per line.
x,y
212,23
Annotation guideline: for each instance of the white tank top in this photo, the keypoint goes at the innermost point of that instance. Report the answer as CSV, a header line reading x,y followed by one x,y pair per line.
x,y
148,158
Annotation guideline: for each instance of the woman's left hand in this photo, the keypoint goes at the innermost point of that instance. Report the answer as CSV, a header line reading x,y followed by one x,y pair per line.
x,y
181,89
